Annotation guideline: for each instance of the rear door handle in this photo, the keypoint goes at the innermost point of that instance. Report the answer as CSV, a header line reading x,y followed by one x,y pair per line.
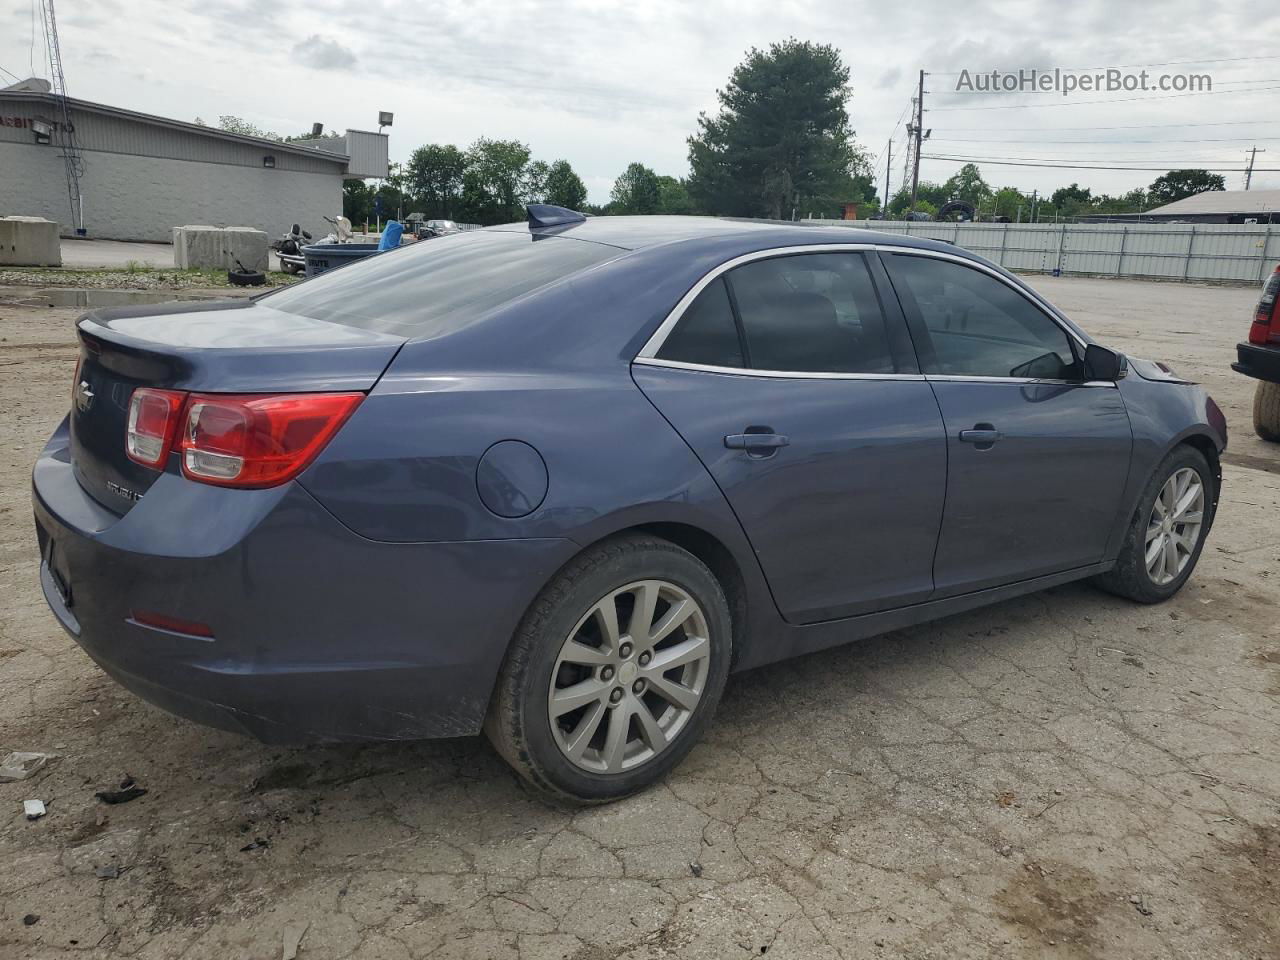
x,y
759,442
982,436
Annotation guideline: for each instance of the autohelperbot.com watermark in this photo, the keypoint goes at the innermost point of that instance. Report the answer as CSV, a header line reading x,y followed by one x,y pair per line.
x,y
1068,82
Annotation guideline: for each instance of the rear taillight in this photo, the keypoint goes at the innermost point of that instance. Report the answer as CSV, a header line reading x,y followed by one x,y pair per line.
x,y
153,418
257,441
1266,319
233,440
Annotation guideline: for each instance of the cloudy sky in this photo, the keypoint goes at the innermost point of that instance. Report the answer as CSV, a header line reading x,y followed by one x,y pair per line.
x,y
603,83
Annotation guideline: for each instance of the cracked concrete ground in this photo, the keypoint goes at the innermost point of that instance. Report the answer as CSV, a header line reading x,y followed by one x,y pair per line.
x,y
1065,775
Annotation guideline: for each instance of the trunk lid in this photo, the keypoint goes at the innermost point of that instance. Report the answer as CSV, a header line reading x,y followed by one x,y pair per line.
x,y
236,346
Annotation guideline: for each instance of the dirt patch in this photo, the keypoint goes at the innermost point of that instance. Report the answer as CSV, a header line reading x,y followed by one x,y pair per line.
x,y
1058,906
1249,900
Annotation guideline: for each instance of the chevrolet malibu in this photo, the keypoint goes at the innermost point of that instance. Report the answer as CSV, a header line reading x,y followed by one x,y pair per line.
x,y
556,480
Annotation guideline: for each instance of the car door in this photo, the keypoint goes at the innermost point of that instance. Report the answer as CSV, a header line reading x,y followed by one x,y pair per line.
x,y
1037,457
791,376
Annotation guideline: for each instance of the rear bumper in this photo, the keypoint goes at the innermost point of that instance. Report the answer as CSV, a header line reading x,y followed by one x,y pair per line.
x,y
318,634
1259,362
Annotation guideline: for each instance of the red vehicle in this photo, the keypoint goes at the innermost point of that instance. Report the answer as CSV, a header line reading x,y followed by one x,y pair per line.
x,y
1260,358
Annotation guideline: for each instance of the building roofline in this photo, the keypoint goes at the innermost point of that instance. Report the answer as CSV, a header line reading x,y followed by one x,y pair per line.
x,y
107,110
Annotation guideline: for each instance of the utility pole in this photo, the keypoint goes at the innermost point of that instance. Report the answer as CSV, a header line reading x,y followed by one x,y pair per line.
x,y
917,132
884,212
1033,206
1248,171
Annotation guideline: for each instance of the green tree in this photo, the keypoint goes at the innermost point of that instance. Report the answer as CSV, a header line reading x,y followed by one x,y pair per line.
x,y
243,127
967,184
1135,201
357,201
1072,196
535,181
781,138
494,182
931,196
1008,202
673,197
1178,184
564,188
434,179
635,191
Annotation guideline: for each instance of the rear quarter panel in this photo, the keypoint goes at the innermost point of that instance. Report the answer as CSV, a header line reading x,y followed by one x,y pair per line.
x,y
553,371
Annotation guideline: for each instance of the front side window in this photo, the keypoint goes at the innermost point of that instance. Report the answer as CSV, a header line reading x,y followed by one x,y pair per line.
x,y
815,313
980,326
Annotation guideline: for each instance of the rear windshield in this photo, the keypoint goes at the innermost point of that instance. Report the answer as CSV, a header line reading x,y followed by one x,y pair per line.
x,y
437,286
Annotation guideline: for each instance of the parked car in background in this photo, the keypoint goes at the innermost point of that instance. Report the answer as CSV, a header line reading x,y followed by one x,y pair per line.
x,y
1259,357
556,480
442,227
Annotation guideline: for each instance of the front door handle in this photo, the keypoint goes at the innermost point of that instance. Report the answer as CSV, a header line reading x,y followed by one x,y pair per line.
x,y
983,436
757,444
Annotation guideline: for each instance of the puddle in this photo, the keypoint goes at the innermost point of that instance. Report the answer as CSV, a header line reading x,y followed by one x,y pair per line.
x,y
92,297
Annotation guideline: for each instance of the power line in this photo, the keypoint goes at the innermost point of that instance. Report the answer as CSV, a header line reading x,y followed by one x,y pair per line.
x,y
1078,166
1180,158
1081,103
1125,66
1104,142
1127,126
16,78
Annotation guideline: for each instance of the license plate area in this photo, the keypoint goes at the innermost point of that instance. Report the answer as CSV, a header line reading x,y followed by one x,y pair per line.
x,y
59,578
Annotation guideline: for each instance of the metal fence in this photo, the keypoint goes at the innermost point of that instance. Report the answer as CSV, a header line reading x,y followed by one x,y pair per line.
x,y
1169,251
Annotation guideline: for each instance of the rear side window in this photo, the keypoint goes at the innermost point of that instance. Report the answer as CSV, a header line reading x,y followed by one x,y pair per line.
x,y
435,287
814,313
980,326
706,333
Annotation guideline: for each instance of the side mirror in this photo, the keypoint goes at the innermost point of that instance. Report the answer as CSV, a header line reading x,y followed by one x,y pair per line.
x,y
1100,363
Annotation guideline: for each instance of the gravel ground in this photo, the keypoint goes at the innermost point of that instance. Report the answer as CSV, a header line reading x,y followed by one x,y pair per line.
x,y
1064,775
141,278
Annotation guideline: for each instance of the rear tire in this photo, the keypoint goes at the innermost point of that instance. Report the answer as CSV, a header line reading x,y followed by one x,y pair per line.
x,y
1132,576
628,730
1266,411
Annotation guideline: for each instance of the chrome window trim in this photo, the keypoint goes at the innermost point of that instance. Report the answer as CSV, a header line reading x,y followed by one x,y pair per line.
x,y
821,375
775,374
965,378
648,353
1052,312
651,347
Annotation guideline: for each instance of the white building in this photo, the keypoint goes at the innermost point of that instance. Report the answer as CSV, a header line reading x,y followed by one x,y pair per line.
x,y
141,175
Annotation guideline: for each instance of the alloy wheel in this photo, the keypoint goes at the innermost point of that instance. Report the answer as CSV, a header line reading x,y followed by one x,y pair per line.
x,y
629,676
1173,529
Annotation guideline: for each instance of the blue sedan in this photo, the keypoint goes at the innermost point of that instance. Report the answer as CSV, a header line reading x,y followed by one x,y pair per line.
x,y
556,480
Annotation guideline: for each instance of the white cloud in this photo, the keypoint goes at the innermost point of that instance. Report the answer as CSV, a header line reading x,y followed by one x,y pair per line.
x,y
324,54
603,83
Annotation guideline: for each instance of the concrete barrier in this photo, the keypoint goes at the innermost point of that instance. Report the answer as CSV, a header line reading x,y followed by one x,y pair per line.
x,y
29,242
201,247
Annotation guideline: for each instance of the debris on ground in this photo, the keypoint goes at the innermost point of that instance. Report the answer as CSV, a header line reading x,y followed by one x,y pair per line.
x,y
31,919
20,765
257,844
107,872
1140,905
34,809
293,934
129,790
695,868
1005,851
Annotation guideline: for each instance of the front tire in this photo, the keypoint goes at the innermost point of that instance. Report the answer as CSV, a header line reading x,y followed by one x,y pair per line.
x,y
1266,411
1167,531
614,672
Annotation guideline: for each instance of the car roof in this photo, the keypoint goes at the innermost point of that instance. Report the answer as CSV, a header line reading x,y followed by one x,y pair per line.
x,y
635,233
